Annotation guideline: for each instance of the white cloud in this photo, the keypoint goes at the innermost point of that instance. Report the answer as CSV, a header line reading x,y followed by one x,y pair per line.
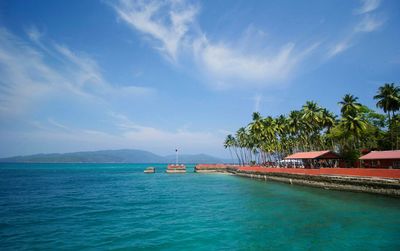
x,y
28,77
367,6
57,124
225,63
369,23
167,22
257,102
34,34
145,136
238,66
339,47
47,135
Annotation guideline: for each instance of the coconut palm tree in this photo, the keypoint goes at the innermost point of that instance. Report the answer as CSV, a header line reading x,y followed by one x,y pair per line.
x,y
311,112
328,119
312,120
283,132
313,128
389,101
256,128
230,143
388,98
296,127
353,126
245,144
349,104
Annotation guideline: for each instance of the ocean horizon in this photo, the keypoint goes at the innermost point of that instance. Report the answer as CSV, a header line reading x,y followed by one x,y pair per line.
x,y
118,207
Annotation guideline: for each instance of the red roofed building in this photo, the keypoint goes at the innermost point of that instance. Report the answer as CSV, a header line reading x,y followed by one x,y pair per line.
x,y
316,159
314,155
381,159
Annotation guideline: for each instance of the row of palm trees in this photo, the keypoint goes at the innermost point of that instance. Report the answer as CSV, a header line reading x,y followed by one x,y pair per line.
x,y
313,128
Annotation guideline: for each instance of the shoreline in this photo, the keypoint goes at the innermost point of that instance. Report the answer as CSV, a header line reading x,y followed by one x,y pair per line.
x,y
354,183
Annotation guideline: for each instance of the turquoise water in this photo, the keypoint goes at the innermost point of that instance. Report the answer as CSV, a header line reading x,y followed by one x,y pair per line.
x,y
118,207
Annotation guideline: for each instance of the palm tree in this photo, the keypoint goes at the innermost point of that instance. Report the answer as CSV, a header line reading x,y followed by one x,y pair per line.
x,y
328,122
311,112
312,120
296,127
283,132
328,119
230,142
389,101
244,143
349,104
256,128
353,126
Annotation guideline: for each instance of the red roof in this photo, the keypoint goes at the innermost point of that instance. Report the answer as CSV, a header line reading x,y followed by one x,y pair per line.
x,y
314,155
382,155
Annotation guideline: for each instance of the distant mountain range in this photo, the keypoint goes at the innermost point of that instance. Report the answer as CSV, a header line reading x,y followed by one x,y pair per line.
x,y
113,156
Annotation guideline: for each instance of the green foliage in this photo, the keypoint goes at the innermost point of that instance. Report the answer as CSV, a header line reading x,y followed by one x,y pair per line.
x,y
315,128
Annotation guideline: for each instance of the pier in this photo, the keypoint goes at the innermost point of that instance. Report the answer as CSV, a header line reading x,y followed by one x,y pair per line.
x,y
176,168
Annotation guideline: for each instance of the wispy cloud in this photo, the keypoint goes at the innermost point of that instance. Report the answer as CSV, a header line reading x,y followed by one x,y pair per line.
x,y
239,66
339,47
34,34
228,65
166,22
257,102
144,136
367,6
28,77
126,134
369,22
57,124
71,81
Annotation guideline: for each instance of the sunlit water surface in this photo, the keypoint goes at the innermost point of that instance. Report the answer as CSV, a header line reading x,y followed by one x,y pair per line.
x,y
117,206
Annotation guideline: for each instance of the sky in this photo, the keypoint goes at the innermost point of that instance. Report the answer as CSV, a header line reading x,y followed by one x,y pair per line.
x,y
159,75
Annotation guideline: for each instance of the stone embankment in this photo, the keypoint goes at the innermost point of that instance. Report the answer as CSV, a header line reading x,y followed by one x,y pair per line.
x,y
377,181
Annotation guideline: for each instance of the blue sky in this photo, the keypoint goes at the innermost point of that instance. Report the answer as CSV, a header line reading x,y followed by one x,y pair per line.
x,y
155,75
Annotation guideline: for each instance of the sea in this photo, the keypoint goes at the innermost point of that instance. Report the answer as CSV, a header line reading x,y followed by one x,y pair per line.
x,y
118,207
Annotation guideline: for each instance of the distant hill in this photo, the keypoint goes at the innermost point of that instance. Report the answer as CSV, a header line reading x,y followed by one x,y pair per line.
x,y
112,156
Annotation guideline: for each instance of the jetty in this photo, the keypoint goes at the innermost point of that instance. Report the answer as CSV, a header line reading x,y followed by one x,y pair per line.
x,y
176,168
369,180
211,168
378,172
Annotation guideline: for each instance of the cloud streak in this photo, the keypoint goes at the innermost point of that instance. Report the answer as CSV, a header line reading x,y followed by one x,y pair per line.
x,y
27,77
239,67
367,6
227,66
74,82
46,136
169,30
368,23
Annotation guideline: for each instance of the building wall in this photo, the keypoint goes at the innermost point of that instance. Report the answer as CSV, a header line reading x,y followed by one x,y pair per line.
x,y
383,163
363,172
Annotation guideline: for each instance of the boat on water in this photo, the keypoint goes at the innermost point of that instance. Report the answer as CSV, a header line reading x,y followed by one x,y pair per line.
x,y
150,170
176,168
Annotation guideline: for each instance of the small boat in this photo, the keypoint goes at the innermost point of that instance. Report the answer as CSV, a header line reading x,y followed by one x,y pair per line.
x,y
150,170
